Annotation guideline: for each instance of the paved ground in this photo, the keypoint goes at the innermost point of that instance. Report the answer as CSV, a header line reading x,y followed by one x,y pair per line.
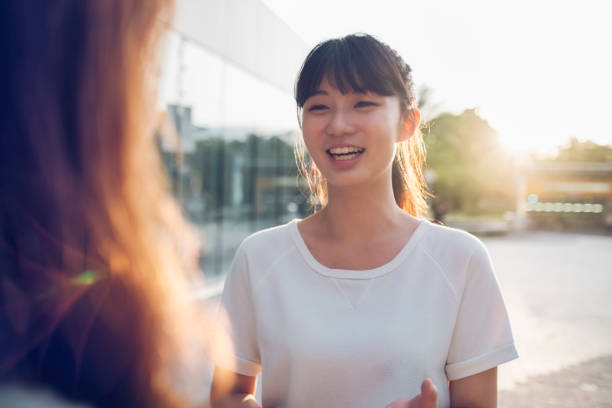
x,y
588,384
558,289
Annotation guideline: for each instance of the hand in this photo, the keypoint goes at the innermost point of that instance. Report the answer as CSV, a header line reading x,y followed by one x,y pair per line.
x,y
428,398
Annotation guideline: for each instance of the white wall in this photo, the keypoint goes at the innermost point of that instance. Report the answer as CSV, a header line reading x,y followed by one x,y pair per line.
x,y
246,33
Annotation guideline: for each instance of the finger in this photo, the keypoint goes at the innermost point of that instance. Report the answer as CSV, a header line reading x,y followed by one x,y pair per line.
x,y
429,393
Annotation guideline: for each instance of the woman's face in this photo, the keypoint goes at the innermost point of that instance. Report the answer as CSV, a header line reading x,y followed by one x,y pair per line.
x,y
352,137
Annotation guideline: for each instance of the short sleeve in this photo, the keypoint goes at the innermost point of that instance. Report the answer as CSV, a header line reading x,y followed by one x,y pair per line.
x,y
482,338
237,319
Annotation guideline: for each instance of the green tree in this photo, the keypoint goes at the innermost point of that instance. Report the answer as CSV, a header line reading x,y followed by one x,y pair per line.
x,y
586,151
468,167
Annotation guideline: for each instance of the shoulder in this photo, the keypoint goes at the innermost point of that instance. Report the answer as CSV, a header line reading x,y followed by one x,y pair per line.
x,y
268,241
457,253
444,242
260,250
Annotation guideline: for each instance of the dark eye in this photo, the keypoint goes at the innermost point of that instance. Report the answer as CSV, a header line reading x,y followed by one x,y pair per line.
x,y
365,104
317,108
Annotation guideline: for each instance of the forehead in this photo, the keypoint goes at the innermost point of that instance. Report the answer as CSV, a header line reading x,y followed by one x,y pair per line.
x,y
345,78
348,70
352,64
327,86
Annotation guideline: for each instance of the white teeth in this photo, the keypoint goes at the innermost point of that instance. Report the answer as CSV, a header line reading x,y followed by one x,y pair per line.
x,y
345,150
346,156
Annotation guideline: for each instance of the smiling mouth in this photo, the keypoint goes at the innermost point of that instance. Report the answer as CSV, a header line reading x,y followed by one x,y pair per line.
x,y
345,153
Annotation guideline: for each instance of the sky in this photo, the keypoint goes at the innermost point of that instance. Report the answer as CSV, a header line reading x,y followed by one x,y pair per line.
x,y
539,71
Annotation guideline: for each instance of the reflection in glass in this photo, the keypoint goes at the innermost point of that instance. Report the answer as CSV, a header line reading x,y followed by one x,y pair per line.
x,y
231,165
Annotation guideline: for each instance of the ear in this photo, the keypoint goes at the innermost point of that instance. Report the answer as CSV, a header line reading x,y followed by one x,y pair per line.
x,y
410,123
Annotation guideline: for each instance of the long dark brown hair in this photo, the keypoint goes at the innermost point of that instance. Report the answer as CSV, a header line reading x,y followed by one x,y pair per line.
x,y
95,257
362,63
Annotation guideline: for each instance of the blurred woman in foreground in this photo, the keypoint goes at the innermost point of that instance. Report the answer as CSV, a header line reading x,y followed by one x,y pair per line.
x,y
93,283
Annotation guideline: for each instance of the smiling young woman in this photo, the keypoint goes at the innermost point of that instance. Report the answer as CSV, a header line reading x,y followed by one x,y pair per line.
x,y
364,303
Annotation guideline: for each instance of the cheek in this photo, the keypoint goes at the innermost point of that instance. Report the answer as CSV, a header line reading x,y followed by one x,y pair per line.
x,y
311,132
387,126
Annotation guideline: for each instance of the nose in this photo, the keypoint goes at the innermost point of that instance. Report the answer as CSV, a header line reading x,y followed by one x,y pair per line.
x,y
340,123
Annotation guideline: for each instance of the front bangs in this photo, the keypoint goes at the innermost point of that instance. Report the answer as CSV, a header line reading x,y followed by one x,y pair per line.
x,y
348,68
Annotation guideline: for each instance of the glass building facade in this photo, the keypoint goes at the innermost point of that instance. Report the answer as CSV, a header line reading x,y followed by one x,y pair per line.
x,y
227,78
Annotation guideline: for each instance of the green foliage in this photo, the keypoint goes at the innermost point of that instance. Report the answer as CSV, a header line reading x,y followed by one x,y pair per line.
x,y
587,151
472,171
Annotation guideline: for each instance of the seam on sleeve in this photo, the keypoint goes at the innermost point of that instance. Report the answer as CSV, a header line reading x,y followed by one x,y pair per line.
x,y
443,273
268,270
483,362
470,267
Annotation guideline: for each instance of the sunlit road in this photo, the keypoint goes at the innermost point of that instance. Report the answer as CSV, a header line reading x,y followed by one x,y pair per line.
x,y
558,289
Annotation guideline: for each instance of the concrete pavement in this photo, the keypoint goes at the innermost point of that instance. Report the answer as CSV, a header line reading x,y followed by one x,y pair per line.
x,y
558,290
588,384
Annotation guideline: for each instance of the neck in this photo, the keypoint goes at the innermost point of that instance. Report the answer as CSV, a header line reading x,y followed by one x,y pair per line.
x,y
361,212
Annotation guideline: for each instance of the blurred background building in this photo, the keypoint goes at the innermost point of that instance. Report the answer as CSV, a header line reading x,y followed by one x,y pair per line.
x,y
564,195
227,81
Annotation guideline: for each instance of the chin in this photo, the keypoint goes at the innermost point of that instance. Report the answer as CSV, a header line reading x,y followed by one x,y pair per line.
x,y
342,181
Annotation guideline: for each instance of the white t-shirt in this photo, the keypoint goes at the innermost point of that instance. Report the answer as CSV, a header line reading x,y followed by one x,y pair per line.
x,y
326,337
